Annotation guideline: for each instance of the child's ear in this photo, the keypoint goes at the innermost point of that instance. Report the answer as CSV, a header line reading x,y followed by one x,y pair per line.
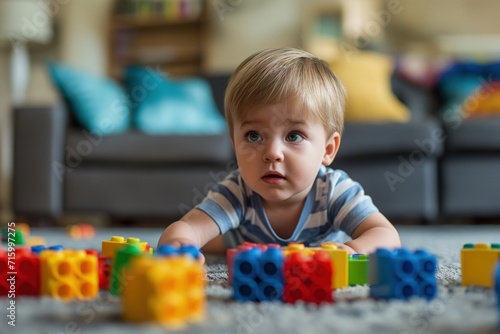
x,y
331,148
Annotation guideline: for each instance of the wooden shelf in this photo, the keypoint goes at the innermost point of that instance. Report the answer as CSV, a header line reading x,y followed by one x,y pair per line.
x,y
175,44
136,22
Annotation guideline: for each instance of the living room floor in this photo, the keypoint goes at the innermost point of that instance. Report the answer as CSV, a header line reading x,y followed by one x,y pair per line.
x,y
457,309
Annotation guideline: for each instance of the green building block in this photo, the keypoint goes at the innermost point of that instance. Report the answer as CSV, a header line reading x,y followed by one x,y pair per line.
x,y
358,269
123,257
19,238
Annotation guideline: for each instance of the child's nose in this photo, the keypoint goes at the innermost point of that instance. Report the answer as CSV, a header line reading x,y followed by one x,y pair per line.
x,y
273,152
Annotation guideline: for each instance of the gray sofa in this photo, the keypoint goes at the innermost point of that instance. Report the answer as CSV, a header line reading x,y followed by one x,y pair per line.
x,y
470,168
60,168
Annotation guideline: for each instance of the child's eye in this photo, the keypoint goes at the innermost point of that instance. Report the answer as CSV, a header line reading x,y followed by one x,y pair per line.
x,y
294,137
253,137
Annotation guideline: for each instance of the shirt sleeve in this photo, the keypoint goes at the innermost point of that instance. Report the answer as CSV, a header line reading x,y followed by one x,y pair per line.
x,y
224,203
348,205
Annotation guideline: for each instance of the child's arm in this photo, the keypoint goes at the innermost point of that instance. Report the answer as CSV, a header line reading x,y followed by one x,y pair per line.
x,y
374,232
195,228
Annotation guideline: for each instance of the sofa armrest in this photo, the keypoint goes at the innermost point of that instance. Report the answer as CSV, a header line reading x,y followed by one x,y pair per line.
x,y
39,139
420,101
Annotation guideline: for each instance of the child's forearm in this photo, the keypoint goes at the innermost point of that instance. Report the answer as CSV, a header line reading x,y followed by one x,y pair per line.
x,y
375,238
180,233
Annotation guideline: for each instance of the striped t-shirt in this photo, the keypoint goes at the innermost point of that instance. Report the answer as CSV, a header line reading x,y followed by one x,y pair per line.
x,y
335,205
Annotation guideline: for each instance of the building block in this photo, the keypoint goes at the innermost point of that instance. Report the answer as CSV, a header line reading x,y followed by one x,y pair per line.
x,y
257,274
165,290
123,257
4,269
358,269
104,269
19,238
478,262
37,249
338,257
69,274
308,277
81,231
35,240
27,266
231,253
496,274
400,274
169,250
109,247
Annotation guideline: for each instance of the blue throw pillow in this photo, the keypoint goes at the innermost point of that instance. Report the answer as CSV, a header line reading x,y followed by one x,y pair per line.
x,y
461,81
167,106
100,105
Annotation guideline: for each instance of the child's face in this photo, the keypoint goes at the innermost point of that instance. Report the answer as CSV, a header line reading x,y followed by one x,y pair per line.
x,y
279,152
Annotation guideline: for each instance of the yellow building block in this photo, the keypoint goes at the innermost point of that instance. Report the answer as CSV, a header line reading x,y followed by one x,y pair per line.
x,y
69,274
478,262
109,247
169,291
340,263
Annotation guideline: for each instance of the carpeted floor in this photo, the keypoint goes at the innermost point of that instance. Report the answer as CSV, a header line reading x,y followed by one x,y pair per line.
x,y
456,310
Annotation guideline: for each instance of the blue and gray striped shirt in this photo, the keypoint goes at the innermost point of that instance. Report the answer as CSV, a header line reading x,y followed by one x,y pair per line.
x,y
335,206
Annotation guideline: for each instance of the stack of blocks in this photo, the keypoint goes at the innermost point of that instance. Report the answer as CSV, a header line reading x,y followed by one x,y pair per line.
x,y
400,274
167,290
295,272
478,262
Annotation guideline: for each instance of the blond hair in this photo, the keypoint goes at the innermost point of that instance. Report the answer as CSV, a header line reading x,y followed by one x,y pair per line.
x,y
287,75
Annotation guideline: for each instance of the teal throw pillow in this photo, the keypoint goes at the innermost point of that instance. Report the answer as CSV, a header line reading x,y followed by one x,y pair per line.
x,y
162,105
99,104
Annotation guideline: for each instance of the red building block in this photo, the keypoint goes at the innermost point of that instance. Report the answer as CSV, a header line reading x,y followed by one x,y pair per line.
x,y
27,267
4,284
103,268
308,278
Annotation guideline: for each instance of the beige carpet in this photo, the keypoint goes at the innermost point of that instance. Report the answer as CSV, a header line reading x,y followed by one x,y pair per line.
x,y
456,310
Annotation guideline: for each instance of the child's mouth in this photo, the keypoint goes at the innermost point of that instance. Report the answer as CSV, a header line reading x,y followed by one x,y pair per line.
x,y
272,178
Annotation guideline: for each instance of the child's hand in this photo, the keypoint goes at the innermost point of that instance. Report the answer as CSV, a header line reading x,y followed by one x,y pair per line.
x,y
179,243
349,249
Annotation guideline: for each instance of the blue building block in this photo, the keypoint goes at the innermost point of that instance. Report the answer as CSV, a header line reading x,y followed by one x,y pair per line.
x,y
400,274
169,250
258,275
37,249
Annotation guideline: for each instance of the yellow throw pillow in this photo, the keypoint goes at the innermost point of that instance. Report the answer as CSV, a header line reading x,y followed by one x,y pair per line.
x,y
367,79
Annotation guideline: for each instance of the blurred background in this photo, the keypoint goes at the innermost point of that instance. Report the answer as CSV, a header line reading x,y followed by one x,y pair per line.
x,y
47,44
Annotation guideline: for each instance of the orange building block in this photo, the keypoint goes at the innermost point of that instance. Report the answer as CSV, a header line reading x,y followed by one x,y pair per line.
x,y
69,274
478,262
169,291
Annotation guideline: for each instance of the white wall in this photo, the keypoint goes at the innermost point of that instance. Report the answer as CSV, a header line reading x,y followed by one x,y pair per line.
x,y
81,43
239,31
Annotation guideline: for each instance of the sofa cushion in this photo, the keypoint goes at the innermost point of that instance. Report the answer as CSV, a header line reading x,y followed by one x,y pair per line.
x,y
163,105
99,104
140,148
368,139
473,134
